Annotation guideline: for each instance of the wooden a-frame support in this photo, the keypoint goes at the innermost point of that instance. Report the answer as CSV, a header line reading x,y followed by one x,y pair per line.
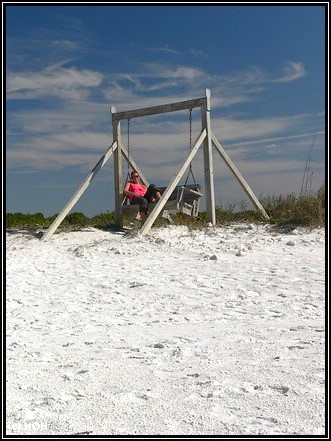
x,y
205,137
118,149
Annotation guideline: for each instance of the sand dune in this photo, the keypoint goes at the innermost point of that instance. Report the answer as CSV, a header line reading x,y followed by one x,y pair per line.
x,y
218,331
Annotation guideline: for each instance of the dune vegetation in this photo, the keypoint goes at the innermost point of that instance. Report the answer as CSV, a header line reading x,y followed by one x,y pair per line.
x,y
298,210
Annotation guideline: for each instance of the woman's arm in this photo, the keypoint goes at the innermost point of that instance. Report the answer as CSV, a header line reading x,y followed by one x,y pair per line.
x,y
126,190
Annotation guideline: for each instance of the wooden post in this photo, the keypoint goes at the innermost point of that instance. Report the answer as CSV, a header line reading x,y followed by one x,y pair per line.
x,y
79,192
238,175
161,203
117,171
208,162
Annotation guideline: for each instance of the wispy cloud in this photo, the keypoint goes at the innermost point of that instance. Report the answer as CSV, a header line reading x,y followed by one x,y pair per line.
x,y
54,80
64,80
256,75
166,48
184,80
230,129
198,53
41,46
154,82
291,71
56,134
65,45
67,133
160,49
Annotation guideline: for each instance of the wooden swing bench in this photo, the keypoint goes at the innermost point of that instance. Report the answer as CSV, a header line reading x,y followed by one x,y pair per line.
x,y
185,199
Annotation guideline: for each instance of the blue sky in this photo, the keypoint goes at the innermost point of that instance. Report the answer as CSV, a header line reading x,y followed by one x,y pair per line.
x,y
67,65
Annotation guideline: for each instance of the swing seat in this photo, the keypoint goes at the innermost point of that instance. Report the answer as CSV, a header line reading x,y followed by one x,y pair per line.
x,y
185,199
188,199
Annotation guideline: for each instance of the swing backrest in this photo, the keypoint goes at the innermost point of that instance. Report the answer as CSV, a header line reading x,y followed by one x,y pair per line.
x,y
189,197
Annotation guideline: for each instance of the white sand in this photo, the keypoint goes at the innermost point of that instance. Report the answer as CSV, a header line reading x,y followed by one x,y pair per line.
x,y
218,331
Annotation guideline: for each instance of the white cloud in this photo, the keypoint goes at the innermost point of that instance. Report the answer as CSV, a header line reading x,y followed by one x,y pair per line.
x,y
291,71
68,134
255,75
199,53
64,45
54,80
154,76
151,142
230,129
164,48
126,88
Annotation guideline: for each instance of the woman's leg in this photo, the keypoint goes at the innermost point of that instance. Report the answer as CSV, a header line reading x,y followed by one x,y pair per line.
x,y
143,206
143,216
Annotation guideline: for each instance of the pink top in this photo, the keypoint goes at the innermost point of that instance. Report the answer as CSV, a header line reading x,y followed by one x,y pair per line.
x,y
138,189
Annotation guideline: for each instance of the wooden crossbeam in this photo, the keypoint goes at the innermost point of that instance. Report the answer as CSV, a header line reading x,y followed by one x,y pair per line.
x,y
155,110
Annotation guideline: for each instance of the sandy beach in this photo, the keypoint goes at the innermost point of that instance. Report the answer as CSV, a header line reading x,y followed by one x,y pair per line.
x,y
217,331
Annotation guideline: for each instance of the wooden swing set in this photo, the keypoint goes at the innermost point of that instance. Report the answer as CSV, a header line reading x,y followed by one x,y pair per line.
x,y
185,198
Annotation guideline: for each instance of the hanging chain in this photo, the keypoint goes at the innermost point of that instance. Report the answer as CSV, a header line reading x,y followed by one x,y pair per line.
x,y
125,198
128,148
190,129
190,172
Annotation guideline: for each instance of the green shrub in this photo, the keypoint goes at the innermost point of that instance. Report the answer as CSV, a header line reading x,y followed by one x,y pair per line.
x,y
305,210
103,220
309,211
321,195
76,219
20,220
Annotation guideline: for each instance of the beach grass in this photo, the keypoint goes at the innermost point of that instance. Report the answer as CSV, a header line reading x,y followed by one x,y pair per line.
x,y
298,210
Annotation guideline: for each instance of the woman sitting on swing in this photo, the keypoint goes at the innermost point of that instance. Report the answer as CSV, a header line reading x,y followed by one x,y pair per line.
x,y
138,193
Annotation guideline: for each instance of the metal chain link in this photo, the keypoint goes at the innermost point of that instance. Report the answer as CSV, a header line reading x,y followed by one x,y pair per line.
x,y
128,148
190,172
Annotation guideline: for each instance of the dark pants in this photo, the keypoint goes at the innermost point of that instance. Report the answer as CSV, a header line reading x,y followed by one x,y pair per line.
x,y
148,197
